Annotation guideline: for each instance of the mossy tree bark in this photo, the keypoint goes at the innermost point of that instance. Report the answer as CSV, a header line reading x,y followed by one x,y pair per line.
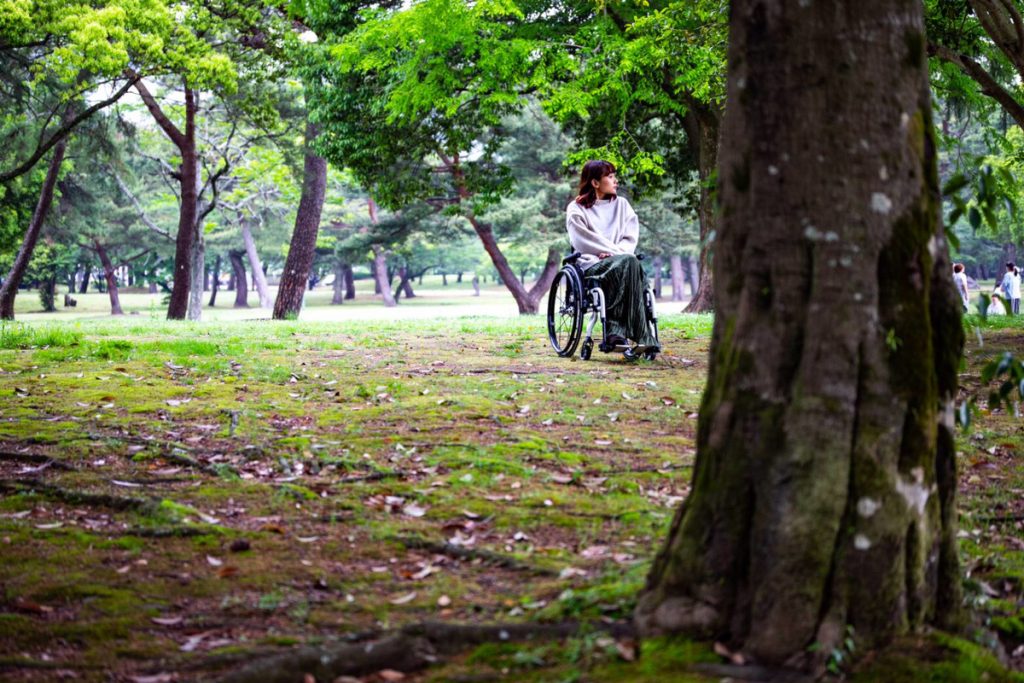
x,y
824,487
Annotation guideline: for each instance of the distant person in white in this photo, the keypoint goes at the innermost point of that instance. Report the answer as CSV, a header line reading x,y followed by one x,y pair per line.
x,y
604,228
1010,287
960,280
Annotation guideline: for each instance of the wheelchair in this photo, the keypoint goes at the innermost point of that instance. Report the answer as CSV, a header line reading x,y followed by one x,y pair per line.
x,y
572,296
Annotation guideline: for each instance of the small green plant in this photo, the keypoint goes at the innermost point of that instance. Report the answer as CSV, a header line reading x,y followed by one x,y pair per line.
x,y
113,349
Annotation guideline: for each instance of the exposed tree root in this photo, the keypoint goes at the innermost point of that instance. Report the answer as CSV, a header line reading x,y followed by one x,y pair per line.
x,y
464,553
44,461
760,674
187,461
168,531
412,648
74,497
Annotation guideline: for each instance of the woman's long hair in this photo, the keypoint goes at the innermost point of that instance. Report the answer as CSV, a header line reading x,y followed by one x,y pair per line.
x,y
592,170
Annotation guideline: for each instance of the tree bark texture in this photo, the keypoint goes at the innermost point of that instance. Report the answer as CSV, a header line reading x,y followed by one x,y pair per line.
x,y
292,289
9,289
259,278
110,276
705,130
241,288
380,274
676,267
824,486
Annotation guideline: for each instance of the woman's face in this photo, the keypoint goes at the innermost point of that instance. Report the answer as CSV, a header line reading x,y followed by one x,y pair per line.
x,y
606,186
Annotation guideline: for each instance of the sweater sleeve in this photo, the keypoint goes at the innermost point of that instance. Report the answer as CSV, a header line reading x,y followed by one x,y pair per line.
x,y
630,231
583,238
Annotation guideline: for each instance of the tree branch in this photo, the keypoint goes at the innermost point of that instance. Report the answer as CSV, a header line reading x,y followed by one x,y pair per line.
x,y
172,131
62,132
983,78
146,220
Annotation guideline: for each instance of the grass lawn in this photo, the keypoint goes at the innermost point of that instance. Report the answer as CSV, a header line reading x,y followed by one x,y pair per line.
x,y
179,498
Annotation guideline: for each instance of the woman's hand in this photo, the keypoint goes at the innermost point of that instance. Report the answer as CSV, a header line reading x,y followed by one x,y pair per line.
x,y
603,255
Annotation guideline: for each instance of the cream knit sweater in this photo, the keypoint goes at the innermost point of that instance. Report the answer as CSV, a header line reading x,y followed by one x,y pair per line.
x,y
610,226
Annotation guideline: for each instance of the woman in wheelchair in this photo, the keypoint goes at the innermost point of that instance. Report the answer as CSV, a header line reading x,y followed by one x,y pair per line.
x,y
604,229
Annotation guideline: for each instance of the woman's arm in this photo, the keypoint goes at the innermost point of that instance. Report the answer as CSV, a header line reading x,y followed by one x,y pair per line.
x,y
584,239
631,230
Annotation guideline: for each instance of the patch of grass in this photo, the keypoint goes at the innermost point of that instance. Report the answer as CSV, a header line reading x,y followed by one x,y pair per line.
x,y
21,336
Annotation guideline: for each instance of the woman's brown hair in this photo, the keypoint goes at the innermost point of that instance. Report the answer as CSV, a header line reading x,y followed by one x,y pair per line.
x,y
592,170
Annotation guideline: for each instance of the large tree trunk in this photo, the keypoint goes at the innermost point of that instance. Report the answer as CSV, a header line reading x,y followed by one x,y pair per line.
x,y
380,274
350,282
693,266
259,278
292,288
111,277
824,487
216,282
9,289
241,288
676,265
703,134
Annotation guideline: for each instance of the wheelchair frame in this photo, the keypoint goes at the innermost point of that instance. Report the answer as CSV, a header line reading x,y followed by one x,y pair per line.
x,y
583,297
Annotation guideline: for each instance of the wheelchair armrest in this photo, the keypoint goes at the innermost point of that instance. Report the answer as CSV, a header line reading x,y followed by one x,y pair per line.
x,y
572,258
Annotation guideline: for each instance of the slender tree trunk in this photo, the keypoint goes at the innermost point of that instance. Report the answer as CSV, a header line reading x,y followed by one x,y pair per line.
x,y
195,294
476,285
259,278
693,265
824,487
404,283
676,266
185,255
350,282
657,264
216,282
373,273
84,286
292,289
706,132
110,275
444,279
528,301
241,288
380,273
9,289
338,296
458,278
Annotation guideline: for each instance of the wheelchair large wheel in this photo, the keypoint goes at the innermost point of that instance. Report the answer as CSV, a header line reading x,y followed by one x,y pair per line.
x,y
565,312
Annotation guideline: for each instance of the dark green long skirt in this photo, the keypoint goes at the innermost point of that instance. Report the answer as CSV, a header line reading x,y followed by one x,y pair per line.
x,y
623,282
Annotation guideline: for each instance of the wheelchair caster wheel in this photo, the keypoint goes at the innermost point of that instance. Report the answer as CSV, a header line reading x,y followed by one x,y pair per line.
x,y
650,355
586,349
630,354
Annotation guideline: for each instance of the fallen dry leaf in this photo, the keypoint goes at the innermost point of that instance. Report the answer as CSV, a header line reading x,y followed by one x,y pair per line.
x,y
391,676
404,599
